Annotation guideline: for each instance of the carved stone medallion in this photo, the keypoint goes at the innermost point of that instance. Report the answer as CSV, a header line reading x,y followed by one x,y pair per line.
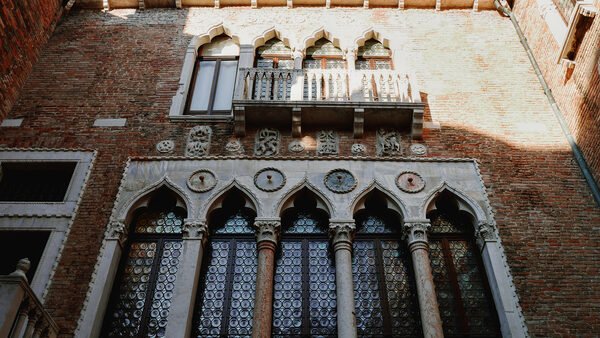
x,y
358,149
165,146
388,143
267,142
198,141
296,146
327,143
340,181
410,182
269,179
234,147
202,180
418,149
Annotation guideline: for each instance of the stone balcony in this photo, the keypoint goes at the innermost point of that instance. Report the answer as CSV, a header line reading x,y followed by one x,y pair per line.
x,y
22,314
351,99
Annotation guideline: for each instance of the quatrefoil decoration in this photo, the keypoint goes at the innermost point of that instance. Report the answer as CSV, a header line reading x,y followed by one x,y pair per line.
x,y
340,181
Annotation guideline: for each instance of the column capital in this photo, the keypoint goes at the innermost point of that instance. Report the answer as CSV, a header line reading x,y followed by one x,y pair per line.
x,y
298,54
195,229
416,232
267,230
342,234
351,54
485,232
117,231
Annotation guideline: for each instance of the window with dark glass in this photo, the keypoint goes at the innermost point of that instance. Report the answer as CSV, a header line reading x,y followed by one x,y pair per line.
x,y
323,55
304,287
225,301
15,245
274,54
464,298
143,290
213,82
384,285
35,181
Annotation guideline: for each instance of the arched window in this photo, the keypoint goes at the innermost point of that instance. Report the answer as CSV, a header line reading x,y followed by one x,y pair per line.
x,y
142,294
464,298
214,77
384,286
373,55
274,54
324,85
304,288
228,279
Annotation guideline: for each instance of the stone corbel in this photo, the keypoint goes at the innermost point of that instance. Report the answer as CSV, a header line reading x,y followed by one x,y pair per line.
x,y
486,232
415,232
267,230
195,230
117,231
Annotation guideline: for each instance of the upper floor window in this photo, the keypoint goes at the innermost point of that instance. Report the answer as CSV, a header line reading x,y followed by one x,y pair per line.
x,y
324,55
274,54
214,77
384,285
35,181
464,298
373,55
304,287
142,294
227,284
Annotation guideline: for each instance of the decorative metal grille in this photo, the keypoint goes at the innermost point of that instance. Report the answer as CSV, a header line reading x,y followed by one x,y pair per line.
x,y
304,288
141,301
225,301
385,290
464,299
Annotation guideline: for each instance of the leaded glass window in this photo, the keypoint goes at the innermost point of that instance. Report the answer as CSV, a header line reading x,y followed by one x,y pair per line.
x,y
384,285
143,291
225,301
465,302
274,54
374,56
304,287
323,55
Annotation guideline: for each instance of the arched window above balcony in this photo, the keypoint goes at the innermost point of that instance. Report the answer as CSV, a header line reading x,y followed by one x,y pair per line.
x,y
324,55
214,77
373,55
274,54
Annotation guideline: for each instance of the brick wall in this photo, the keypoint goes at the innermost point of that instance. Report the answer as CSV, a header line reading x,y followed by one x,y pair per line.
x,y
474,76
577,94
25,26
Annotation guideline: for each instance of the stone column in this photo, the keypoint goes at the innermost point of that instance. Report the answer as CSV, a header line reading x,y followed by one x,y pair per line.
x,y
416,237
267,233
296,93
195,235
354,77
342,235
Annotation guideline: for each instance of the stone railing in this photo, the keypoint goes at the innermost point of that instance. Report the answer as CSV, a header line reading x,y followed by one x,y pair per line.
x,y
261,84
22,315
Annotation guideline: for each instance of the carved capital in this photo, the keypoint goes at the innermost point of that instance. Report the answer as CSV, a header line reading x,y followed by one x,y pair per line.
x,y
486,232
415,232
342,234
195,229
117,231
267,230
297,54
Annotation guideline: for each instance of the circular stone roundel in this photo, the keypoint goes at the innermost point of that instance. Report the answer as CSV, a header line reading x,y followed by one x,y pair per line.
x,y
410,182
269,179
340,181
202,180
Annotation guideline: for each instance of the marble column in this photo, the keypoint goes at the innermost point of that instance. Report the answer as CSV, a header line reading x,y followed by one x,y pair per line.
x,y
342,235
416,237
195,235
267,233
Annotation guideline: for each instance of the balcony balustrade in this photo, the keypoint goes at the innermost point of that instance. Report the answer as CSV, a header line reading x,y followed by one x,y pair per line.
x,y
22,315
352,97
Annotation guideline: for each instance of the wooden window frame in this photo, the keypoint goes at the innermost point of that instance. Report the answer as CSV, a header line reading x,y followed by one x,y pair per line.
x,y
213,87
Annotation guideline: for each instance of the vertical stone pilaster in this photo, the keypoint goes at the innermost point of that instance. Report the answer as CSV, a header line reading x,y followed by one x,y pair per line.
x,y
342,234
195,236
415,234
267,235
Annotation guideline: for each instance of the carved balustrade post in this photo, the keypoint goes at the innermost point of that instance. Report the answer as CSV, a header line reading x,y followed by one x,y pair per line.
x,y
34,316
267,233
195,236
342,234
415,234
21,318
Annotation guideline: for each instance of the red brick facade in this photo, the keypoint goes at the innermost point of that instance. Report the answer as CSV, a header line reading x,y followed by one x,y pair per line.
x,y
25,26
475,79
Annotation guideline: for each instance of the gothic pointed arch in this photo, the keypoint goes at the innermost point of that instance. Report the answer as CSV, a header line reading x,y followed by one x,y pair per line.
x,y
216,201
319,33
392,202
287,201
211,33
369,34
270,33
463,201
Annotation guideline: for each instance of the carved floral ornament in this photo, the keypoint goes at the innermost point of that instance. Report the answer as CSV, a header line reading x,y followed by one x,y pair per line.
x,y
267,142
116,230
416,231
327,143
342,232
486,231
198,143
195,229
388,143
